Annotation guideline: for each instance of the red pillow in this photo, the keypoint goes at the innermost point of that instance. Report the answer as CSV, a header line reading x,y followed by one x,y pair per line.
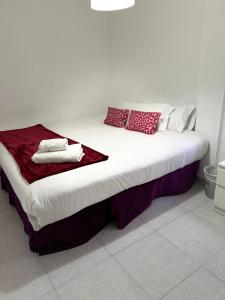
x,y
116,117
145,122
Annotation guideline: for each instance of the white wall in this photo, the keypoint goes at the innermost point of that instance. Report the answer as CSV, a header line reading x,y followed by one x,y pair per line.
x,y
221,149
212,74
155,50
172,51
54,61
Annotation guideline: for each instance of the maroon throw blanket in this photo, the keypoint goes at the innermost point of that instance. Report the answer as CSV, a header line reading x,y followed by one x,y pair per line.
x,y
23,143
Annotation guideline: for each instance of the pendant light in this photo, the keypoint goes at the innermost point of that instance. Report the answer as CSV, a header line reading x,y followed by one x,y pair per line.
x,y
110,5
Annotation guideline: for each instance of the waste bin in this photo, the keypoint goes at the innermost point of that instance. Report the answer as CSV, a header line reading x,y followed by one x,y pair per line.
x,y
210,173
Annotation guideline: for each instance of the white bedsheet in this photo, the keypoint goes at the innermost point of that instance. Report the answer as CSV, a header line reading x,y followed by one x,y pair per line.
x,y
134,158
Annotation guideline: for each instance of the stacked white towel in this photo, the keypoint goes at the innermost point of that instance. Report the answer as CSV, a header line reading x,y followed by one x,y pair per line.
x,y
53,145
72,153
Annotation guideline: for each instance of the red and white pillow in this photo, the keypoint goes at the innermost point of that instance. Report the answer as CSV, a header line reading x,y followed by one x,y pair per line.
x,y
164,108
116,117
146,122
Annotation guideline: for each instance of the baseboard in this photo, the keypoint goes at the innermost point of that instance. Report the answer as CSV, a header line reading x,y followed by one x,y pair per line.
x,y
219,210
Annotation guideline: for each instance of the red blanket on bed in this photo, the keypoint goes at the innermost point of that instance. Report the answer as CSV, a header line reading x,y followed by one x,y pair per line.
x,y
23,143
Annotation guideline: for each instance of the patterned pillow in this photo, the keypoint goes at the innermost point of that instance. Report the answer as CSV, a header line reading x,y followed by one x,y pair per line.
x,y
116,117
145,122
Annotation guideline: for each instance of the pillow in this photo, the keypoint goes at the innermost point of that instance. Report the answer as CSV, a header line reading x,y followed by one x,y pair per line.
x,y
164,108
116,117
192,120
179,118
145,122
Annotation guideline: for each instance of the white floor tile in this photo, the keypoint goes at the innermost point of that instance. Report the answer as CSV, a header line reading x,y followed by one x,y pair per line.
x,y
23,277
63,266
195,236
4,200
115,240
193,198
8,215
107,281
52,295
13,240
162,211
201,285
206,211
8,212
156,264
217,265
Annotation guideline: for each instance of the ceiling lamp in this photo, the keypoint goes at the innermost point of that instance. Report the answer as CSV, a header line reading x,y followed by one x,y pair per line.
x,y
110,5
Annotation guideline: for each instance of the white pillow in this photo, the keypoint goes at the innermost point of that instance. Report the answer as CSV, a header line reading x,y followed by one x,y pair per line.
x,y
179,118
192,120
163,108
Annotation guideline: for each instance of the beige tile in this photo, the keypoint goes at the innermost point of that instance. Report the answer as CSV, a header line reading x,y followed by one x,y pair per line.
x,y
23,277
155,264
207,212
13,240
115,240
195,236
216,265
201,285
105,281
64,266
162,211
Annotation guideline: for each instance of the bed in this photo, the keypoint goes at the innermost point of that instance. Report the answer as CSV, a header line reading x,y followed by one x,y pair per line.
x,y
67,209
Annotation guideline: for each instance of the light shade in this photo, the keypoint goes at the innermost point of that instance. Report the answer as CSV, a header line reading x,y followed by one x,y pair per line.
x,y
110,5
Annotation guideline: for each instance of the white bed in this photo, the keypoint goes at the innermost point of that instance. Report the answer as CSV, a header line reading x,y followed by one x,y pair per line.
x,y
134,159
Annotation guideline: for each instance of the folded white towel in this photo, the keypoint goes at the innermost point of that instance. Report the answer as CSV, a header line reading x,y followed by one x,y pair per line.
x,y
53,145
74,153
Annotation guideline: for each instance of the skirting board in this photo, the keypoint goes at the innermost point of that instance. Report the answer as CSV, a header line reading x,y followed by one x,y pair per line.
x,y
219,210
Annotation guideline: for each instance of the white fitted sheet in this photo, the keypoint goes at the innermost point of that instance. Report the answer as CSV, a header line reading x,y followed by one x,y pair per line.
x,y
134,158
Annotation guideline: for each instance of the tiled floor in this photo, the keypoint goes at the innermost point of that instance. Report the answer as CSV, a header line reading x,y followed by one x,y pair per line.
x,y
174,250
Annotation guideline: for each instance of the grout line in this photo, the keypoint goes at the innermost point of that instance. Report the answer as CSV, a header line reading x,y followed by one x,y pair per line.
x,y
186,211
172,221
45,271
203,265
193,208
123,268
210,223
217,228
213,256
131,244
174,245
43,268
155,230
187,254
180,283
57,294
130,276
82,273
46,293
197,206
214,275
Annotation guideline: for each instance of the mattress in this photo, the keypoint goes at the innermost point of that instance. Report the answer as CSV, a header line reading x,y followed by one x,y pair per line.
x,y
134,158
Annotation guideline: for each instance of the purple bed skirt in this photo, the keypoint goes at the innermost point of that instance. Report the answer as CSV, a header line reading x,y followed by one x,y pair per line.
x,y
121,208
